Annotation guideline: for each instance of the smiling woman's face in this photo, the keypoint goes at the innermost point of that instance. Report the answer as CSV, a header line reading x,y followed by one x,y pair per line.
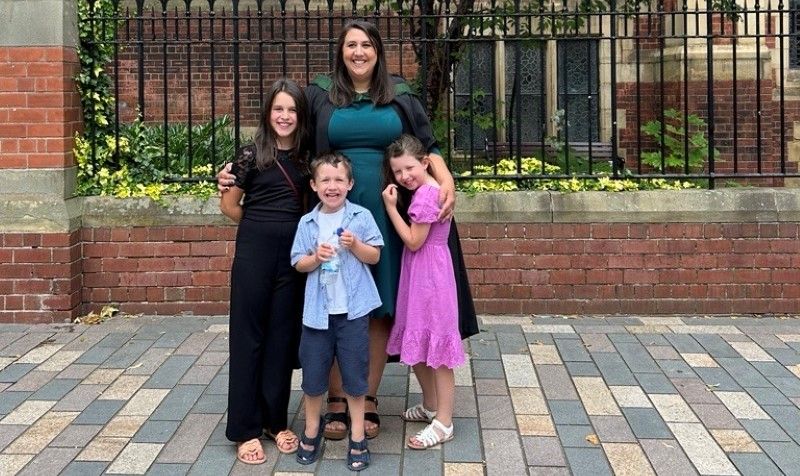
x,y
360,57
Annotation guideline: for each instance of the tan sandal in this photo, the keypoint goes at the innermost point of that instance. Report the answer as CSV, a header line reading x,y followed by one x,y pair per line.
x,y
250,447
285,441
336,417
373,418
432,435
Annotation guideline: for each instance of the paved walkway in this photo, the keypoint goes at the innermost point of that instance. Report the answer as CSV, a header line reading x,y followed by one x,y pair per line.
x,y
628,395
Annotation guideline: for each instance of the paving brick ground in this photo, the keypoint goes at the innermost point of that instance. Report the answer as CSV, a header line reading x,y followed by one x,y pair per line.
x,y
541,395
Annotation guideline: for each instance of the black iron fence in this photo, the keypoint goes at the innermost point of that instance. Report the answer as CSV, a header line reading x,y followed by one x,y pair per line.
x,y
590,89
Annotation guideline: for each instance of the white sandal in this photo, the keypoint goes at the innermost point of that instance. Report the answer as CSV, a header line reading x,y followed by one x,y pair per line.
x,y
419,413
432,435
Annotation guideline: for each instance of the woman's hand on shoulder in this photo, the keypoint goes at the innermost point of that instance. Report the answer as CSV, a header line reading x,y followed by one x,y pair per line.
x,y
447,200
225,179
390,196
447,186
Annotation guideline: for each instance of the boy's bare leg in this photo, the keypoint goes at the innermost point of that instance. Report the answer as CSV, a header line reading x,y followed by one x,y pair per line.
x,y
357,434
356,405
313,406
335,390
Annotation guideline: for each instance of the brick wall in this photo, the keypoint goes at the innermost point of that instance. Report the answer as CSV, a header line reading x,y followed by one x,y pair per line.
x,y
39,107
158,270
558,268
187,73
644,268
741,137
40,277
40,262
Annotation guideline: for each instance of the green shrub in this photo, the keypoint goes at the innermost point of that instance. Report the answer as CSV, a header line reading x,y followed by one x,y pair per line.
x,y
675,137
96,50
531,166
135,165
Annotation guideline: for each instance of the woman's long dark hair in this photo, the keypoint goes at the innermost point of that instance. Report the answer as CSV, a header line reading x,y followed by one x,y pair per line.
x,y
381,89
265,140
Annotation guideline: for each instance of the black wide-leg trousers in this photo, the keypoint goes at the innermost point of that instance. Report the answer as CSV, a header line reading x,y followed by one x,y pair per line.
x,y
265,324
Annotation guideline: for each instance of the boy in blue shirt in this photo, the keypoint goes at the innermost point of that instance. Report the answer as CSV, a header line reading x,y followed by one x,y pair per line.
x,y
340,293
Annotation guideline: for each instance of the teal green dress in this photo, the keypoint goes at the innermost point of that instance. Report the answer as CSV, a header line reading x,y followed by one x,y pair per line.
x,y
362,131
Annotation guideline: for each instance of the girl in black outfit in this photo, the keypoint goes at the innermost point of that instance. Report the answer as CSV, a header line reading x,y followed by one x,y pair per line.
x,y
266,291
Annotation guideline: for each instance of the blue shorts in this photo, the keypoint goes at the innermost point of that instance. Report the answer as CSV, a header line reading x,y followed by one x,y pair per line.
x,y
346,340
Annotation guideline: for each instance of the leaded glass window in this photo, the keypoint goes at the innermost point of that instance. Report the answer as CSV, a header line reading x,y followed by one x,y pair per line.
x,y
578,90
527,109
527,97
473,95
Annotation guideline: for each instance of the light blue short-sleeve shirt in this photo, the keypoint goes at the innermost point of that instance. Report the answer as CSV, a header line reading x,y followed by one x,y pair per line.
x,y
362,294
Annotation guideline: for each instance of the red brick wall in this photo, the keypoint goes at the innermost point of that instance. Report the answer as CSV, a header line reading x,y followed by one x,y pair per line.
x,y
517,268
305,54
654,268
40,277
39,106
744,110
158,270
634,268
40,273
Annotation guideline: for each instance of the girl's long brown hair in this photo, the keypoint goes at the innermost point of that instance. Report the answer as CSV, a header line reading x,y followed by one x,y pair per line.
x,y
265,140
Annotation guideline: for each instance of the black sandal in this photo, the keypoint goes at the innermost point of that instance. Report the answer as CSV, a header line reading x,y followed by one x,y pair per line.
x,y
340,417
357,462
305,456
372,417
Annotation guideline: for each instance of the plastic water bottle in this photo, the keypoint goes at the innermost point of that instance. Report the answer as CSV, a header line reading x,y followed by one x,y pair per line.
x,y
330,268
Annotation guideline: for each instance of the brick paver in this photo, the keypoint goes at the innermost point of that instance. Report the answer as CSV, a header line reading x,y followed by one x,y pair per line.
x,y
541,395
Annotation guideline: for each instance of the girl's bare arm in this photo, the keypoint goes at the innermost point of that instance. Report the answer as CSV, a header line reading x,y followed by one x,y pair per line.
x,y
229,203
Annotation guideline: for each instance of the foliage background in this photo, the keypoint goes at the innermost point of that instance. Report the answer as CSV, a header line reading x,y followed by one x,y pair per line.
x,y
142,159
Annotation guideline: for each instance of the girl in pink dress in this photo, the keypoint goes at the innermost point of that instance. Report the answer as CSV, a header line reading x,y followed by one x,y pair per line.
x,y
425,332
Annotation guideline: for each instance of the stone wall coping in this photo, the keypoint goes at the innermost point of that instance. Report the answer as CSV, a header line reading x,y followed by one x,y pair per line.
x,y
27,213
182,210
658,206
58,182
39,23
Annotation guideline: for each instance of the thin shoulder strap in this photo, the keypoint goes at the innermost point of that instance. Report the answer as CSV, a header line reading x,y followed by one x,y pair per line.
x,y
289,180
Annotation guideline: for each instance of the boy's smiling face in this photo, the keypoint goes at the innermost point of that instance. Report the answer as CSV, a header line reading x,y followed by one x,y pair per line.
x,y
331,184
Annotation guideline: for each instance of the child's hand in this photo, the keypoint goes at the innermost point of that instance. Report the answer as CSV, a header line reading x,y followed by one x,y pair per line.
x,y
325,252
347,239
390,196
225,179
